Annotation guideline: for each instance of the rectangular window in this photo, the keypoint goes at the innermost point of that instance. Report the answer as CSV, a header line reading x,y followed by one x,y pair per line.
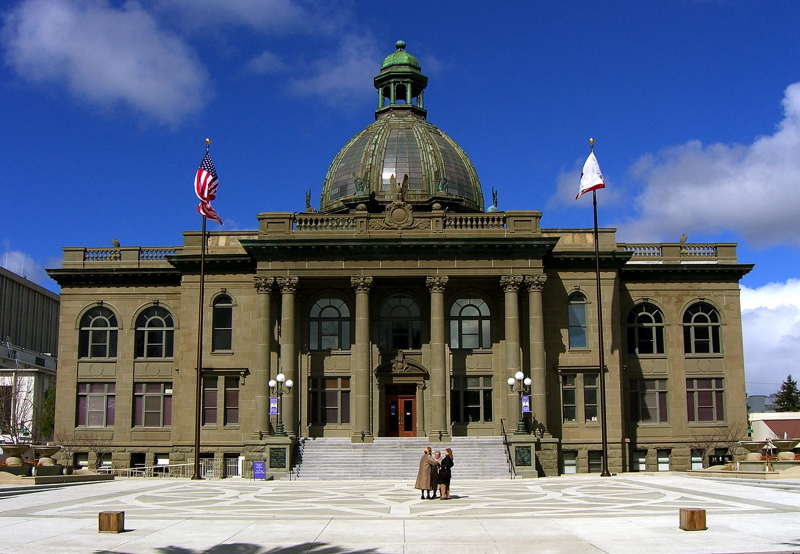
x,y
590,395
96,403
569,394
704,400
640,460
570,462
663,455
697,458
577,325
330,400
210,403
471,400
231,400
152,404
595,461
648,400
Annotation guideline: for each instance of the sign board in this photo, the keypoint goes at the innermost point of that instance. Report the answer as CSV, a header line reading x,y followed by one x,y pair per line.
x,y
273,405
526,404
259,470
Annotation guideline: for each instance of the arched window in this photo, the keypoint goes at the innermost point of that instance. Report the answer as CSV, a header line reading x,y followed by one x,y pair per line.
x,y
98,334
701,330
645,330
154,333
400,324
222,335
577,320
470,324
329,325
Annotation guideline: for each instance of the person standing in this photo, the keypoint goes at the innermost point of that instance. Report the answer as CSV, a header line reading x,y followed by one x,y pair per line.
x,y
427,469
445,471
437,455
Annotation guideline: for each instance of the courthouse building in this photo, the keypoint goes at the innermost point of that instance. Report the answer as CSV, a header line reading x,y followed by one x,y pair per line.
x,y
400,308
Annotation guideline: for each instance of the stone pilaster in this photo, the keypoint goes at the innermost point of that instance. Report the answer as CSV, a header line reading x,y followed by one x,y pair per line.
x,y
288,357
535,285
439,375
260,372
511,285
362,422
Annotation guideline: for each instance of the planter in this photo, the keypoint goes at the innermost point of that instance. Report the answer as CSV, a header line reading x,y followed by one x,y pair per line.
x,y
45,453
14,451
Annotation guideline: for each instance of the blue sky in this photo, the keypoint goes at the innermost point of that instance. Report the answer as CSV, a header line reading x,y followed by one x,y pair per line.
x,y
694,105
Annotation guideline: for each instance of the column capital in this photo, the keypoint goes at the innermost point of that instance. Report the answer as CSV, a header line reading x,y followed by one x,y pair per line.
x,y
535,283
287,284
263,284
511,283
361,283
437,283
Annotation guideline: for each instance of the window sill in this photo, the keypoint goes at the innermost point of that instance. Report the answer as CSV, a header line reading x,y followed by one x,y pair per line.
x,y
579,349
142,428
151,360
719,355
96,360
648,356
222,352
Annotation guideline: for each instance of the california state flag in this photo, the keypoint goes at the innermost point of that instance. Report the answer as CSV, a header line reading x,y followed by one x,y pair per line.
x,y
591,177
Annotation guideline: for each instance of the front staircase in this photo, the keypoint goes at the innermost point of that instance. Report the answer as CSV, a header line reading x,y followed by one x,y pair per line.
x,y
396,459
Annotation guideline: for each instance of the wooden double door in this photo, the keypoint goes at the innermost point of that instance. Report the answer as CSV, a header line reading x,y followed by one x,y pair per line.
x,y
401,410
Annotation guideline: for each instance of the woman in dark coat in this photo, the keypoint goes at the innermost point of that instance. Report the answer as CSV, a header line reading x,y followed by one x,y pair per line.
x,y
425,477
445,467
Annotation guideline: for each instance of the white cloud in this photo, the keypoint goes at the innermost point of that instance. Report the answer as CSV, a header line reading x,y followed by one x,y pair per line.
x,y
343,73
266,16
267,62
24,266
751,189
771,330
106,56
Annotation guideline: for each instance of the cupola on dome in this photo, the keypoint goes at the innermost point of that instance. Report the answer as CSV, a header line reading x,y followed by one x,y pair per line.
x,y
401,142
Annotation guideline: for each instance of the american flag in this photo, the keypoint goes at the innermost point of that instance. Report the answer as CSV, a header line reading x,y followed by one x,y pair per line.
x,y
205,186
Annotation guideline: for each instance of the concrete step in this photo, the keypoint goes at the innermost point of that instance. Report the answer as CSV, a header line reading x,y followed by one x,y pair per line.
x,y
395,458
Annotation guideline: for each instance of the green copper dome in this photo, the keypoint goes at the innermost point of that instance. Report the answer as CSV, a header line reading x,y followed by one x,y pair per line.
x,y
401,142
401,57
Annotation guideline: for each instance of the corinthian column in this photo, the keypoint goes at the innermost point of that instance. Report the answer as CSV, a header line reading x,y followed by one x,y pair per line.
x,y
288,359
263,338
511,285
439,376
535,284
362,423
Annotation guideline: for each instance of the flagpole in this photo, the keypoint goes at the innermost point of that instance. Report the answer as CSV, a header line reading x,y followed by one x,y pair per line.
x,y
602,362
199,374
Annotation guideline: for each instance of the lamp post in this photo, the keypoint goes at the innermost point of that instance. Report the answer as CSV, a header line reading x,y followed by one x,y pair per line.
x,y
280,387
521,384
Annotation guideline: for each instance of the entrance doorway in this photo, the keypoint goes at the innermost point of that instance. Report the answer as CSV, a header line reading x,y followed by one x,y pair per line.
x,y
401,411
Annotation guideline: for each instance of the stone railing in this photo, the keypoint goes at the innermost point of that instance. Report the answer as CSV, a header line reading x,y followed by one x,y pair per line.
x,y
124,256
677,252
474,221
318,222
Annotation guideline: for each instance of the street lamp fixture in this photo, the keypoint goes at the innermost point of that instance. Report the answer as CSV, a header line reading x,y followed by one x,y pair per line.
x,y
522,385
280,386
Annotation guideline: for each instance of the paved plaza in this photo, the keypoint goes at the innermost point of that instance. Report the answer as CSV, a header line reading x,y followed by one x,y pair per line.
x,y
575,514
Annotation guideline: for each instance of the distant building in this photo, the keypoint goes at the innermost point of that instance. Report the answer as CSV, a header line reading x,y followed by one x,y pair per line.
x,y
28,343
401,308
775,425
761,403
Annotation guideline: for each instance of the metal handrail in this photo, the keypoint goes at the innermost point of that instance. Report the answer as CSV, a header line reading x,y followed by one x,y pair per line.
x,y
508,449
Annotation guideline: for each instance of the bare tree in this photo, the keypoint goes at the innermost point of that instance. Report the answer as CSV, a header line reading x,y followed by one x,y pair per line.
x,y
16,408
69,445
727,437
100,444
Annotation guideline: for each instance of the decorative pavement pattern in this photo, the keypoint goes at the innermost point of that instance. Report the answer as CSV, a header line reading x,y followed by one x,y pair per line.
x,y
553,498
